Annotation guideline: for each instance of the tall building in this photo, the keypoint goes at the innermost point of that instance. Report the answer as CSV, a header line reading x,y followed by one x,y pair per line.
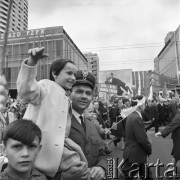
x,y
167,63
93,65
57,43
18,18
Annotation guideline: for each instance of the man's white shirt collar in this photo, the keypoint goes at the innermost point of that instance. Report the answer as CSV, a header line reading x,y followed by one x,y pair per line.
x,y
139,114
76,114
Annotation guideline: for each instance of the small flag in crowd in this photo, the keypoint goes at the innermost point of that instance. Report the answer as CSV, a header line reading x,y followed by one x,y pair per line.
x,y
150,97
176,94
165,94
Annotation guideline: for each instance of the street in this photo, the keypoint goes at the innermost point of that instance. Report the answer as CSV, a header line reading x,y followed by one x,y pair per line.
x,y
161,151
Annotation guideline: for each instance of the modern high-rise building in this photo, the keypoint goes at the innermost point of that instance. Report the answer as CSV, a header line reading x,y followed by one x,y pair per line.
x,y
93,65
167,63
18,18
57,43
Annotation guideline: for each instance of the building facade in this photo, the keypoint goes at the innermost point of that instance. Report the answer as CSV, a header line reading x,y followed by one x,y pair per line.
x,y
57,44
141,81
18,18
93,66
167,63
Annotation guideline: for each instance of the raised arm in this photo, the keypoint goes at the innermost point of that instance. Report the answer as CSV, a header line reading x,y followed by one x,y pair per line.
x,y
28,88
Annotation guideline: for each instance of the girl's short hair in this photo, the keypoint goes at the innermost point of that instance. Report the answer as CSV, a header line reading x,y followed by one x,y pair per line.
x,y
23,130
57,66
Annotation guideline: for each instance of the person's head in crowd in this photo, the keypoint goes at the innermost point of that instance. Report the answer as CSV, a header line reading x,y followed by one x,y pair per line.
x,y
21,144
116,101
120,103
96,105
166,102
126,102
104,104
175,100
146,103
89,112
138,101
63,72
82,91
154,102
101,107
178,106
149,103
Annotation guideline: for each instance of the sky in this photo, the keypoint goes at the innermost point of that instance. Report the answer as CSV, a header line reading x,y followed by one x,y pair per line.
x,y
126,34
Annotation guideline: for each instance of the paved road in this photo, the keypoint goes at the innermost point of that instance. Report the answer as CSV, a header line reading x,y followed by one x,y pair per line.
x,y
162,148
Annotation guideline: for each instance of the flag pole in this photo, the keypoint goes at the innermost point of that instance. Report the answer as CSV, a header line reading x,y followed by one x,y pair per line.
x,y
5,39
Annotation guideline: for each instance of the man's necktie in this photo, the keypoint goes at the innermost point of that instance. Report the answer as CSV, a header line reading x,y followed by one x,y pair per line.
x,y
82,122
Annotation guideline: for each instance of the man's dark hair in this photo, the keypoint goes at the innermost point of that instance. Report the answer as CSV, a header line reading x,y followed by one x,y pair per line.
x,y
57,66
137,97
23,130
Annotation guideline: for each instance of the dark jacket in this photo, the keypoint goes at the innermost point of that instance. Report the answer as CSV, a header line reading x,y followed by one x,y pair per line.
x,y
137,145
172,110
99,118
90,142
174,128
114,112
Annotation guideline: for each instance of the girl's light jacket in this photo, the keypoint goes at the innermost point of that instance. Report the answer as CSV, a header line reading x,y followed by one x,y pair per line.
x,y
48,108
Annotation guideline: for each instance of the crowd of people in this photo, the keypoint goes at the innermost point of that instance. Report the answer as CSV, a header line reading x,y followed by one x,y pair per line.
x,y
67,137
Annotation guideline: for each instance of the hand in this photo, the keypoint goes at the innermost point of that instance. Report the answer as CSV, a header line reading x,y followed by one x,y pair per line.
x,y
78,172
35,55
158,134
106,131
97,173
3,93
1,162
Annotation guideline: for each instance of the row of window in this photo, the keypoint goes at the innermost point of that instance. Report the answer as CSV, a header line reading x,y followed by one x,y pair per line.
x,y
4,13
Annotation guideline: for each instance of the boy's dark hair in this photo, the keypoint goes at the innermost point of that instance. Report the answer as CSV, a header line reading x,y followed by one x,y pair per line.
x,y
23,130
57,66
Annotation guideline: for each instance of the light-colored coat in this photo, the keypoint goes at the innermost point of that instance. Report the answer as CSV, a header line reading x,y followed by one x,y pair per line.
x,y
48,108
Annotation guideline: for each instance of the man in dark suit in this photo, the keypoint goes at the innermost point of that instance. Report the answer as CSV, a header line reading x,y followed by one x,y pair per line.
x,y
98,114
153,116
174,128
137,145
84,132
173,108
113,112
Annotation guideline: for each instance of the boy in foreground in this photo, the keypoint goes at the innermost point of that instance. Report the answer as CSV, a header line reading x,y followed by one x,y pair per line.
x,y
21,142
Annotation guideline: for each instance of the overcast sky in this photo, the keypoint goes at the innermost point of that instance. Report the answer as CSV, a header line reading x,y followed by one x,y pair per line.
x,y
126,34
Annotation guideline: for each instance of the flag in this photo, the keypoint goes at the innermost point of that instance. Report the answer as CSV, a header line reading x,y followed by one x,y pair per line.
x,y
150,96
139,88
165,94
176,94
114,126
